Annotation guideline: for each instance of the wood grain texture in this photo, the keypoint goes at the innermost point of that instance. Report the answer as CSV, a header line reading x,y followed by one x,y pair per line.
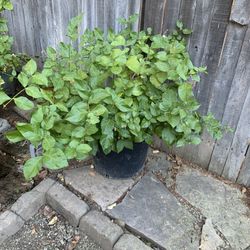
x,y
37,24
244,175
171,15
241,12
233,108
221,45
240,142
154,15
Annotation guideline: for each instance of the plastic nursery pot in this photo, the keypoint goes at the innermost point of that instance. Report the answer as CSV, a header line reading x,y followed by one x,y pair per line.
x,y
9,86
121,165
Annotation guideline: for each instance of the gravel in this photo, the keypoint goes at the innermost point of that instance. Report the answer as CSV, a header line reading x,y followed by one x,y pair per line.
x,y
49,231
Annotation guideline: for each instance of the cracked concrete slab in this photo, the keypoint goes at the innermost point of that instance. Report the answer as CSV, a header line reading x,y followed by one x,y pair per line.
x,y
221,202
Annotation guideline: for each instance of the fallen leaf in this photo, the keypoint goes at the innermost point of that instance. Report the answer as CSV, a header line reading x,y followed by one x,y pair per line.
x,y
92,173
73,243
33,231
48,212
53,221
43,174
60,177
112,206
243,190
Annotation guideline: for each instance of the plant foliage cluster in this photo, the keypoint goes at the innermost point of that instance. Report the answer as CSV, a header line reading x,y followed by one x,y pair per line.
x,y
9,62
112,91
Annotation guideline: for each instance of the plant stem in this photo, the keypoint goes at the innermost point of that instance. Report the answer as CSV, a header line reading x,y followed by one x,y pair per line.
x,y
5,105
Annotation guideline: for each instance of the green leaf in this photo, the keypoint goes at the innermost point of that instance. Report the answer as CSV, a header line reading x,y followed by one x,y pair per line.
x,y
83,150
179,24
162,66
196,140
98,95
61,107
185,91
133,64
90,129
73,27
32,167
99,110
7,5
182,71
107,126
37,116
119,41
33,92
70,153
30,67
39,79
48,142
51,52
23,79
77,113
78,132
3,97
168,136
54,158
23,103
155,81
92,118
30,132
14,136
137,90
121,144
106,143
186,31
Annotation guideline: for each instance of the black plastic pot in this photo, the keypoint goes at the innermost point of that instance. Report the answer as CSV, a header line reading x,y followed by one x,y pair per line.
x,y
9,87
121,165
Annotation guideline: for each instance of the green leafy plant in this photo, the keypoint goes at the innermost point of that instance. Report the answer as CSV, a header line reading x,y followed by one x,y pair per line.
x,y
9,62
111,92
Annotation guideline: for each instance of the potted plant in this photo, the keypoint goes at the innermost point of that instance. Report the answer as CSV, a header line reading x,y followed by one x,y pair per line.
x,y
108,98
10,63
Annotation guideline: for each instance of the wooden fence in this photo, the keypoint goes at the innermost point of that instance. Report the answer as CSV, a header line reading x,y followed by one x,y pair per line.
x,y
220,40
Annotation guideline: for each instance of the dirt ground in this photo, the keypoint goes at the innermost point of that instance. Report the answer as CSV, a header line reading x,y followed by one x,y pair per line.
x,y
12,156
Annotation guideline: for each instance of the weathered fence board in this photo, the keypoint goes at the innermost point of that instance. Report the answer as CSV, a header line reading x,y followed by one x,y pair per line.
x,y
220,40
35,24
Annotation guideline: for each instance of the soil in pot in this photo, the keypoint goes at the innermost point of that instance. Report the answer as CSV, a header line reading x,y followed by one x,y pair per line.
x,y
121,165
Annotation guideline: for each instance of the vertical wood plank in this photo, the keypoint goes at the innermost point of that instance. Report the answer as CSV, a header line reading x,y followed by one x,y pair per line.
x,y
154,14
241,12
244,175
171,15
37,24
211,57
233,108
240,142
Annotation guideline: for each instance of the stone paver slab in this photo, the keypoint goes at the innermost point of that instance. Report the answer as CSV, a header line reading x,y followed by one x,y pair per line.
x,y
44,185
10,223
218,201
152,211
28,204
210,240
4,125
130,242
100,229
98,188
66,203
